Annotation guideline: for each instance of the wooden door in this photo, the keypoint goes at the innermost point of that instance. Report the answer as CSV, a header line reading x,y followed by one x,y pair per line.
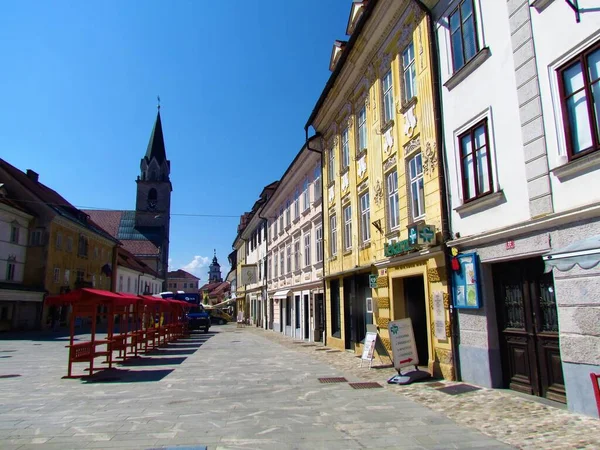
x,y
528,323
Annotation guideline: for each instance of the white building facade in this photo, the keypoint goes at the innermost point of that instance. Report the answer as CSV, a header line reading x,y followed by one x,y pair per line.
x,y
20,307
521,153
295,249
253,272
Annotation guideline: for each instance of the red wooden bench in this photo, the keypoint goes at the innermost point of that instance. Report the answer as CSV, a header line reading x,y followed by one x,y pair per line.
x,y
85,352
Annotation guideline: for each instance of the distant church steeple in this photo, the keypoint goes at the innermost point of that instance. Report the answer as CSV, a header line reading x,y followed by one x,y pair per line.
x,y
214,270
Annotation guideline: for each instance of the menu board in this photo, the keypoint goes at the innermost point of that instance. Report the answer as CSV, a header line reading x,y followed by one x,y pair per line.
x,y
466,282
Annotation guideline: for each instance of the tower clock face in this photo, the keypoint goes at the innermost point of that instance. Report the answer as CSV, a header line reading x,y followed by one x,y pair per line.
x,y
152,203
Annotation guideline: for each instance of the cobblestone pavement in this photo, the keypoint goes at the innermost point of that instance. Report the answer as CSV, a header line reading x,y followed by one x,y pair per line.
x,y
503,415
231,389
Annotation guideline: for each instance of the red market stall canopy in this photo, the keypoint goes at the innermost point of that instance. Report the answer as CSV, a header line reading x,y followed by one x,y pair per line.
x,y
91,296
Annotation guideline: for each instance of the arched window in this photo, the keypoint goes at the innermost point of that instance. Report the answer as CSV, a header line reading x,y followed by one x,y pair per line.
x,y
152,198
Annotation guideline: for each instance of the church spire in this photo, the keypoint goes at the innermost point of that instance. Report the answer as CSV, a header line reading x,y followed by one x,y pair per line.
x,y
156,146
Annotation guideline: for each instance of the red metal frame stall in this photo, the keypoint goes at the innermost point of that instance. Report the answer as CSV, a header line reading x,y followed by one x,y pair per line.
x,y
150,317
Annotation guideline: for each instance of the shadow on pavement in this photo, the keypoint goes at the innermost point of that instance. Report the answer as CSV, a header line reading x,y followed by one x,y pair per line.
x,y
127,376
173,351
144,361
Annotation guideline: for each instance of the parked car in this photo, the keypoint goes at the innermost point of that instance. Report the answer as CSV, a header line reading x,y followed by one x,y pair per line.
x,y
219,316
198,318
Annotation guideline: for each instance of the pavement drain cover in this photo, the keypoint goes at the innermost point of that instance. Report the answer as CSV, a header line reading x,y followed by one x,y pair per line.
x,y
5,356
365,385
236,341
321,349
7,351
458,389
180,447
309,345
12,375
333,351
435,384
333,380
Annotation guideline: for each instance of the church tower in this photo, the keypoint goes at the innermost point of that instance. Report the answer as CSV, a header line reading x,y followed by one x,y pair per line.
x,y
214,271
153,201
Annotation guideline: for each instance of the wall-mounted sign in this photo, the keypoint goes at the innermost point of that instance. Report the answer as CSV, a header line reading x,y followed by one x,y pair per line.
x,y
421,235
439,315
397,248
466,282
402,338
510,245
373,281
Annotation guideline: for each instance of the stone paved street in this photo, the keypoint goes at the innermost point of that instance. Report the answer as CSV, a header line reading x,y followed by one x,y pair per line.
x,y
248,388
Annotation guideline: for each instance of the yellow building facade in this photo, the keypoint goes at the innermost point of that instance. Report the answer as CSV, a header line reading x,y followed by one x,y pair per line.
x,y
382,194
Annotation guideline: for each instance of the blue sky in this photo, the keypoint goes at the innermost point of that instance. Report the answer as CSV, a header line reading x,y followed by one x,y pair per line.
x,y
237,81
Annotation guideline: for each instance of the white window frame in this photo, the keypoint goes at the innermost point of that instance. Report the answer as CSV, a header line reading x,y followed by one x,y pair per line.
x,y
345,148
317,183
297,255
387,88
331,166
409,73
67,277
362,128
288,255
281,211
275,264
393,208
296,203
307,261
319,243
365,217
14,234
333,234
414,179
305,195
282,262
56,276
347,227
288,213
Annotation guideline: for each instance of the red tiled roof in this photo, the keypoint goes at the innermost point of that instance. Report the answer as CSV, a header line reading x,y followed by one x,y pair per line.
x,y
215,288
140,247
181,274
109,220
127,259
53,200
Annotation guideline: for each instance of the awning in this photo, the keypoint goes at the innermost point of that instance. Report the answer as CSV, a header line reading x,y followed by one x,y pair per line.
x,y
224,303
282,294
585,253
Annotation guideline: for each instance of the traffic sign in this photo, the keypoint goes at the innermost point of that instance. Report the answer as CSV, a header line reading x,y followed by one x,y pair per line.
x,y
404,348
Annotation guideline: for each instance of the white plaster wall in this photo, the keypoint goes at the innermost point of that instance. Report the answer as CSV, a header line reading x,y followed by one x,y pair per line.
x,y
553,48
490,89
19,249
125,272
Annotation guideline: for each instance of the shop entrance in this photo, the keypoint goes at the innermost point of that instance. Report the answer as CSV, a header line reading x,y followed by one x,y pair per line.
x,y
306,318
409,301
356,290
528,327
319,317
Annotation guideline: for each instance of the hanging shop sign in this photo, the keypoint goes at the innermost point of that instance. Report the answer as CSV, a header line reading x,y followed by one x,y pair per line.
x,y
466,282
402,339
419,236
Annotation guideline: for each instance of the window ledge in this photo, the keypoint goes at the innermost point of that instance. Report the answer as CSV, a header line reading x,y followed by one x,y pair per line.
x,y
386,126
331,183
344,171
540,5
468,68
297,271
317,201
287,227
296,219
306,211
408,104
360,154
485,202
393,234
577,166
347,252
365,245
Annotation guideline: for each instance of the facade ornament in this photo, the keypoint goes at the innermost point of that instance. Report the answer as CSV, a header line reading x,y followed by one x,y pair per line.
x,y
410,121
345,182
367,101
362,165
389,163
430,158
412,145
350,121
389,140
370,74
363,186
378,192
331,193
334,141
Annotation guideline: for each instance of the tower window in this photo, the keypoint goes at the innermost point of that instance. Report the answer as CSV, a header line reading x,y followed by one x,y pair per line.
x,y
152,198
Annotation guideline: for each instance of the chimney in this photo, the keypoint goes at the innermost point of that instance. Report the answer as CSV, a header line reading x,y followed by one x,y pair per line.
x,y
33,176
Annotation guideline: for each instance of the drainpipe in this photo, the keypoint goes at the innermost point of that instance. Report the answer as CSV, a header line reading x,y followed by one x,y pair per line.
x,y
323,308
443,175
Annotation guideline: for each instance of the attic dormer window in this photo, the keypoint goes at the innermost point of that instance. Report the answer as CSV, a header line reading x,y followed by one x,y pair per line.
x,y
355,13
